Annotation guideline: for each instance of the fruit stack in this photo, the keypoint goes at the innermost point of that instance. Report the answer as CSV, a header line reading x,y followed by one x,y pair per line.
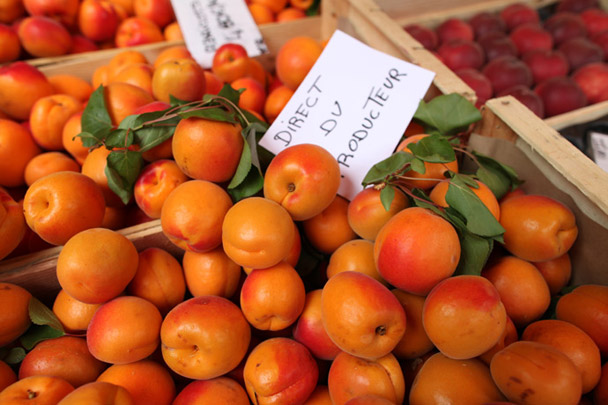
x,y
552,59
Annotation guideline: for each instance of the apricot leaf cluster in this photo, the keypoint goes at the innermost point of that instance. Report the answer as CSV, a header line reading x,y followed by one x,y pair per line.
x,y
139,133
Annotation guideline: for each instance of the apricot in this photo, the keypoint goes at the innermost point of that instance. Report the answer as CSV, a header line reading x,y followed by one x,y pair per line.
x,y
204,337
453,381
522,289
18,148
96,265
211,273
44,37
71,85
295,59
270,375
261,240
508,336
587,307
275,102
45,390
320,396
253,96
350,377
537,228
573,342
536,373
25,80
15,320
66,357
170,53
416,249
72,143
309,329
366,214
146,381
600,393
230,62
183,78
124,330
159,279
304,179
98,20
434,172
273,298
125,58
483,192
361,316
207,150
94,167
12,224
138,74
193,214
135,30
47,163
415,342
122,99
98,392
159,12
329,229
556,272
155,183
7,375
74,315
354,255
214,391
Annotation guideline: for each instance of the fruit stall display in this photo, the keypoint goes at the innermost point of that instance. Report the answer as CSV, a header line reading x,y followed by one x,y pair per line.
x,y
238,295
43,29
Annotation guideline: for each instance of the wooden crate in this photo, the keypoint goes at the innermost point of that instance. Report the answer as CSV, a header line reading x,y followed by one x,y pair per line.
x,y
431,13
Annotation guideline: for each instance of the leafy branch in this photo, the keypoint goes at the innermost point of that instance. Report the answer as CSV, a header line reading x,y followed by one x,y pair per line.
x,y
141,132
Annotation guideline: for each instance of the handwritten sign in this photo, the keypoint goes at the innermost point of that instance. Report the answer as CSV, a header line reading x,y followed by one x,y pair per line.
x,y
208,24
355,102
599,149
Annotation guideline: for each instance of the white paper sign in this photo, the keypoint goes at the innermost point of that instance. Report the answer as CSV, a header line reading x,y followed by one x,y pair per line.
x,y
208,24
355,102
599,149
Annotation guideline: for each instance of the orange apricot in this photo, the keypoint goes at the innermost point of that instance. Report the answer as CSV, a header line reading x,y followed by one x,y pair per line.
x,y
211,273
483,192
15,320
213,391
72,143
261,13
98,392
44,390
183,78
94,167
25,80
415,342
74,315
170,53
47,163
122,99
275,102
556,272
295,59
12,224
154,184
354,255
329,230
18,148
71,85
7,375
48,116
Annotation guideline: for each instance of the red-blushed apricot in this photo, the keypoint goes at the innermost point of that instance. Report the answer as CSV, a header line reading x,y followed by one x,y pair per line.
x,y
66,357
351,376
124,330
25,80
211,273
230,62
354,255
304,179
320,396
309,329
261,240
537,228
415,342
273,298
536,373
361,316
509,336
253,94
571,341
98,392
207,150
7,375
366,214
271,376
204,337
464,316
219,390
445,380
159,279
15,320
74,315
193,213
416,249
522,288
483,192
96,265
587,307
12,224
155,183
556,272
122,99
183,78
329,229
147,381
434,172
295,59
45,390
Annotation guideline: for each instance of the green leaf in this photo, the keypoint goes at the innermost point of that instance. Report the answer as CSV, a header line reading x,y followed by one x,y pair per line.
x,y
474,253
417,165
255,120
479,220
448,113
40,314
249,186
433,149
118,138
95,118
387,167
174,101
499,177
122,169
231,94
248,179
15,355
215,114
149,137
36,334
423,201
88,140
386,196
243,167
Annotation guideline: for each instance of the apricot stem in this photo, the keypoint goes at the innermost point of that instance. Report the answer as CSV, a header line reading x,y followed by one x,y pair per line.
x,y
381,330
31,394
291,187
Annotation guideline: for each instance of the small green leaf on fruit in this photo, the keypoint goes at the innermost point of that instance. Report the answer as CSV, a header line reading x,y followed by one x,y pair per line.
x,y
450,114
474,253
122,169
14,356
36,334
119,138
387,167
95,118
231,94
386,196
497,174
215,114
174,101
418,166
433,149
88,140
243,167
40,314
250,186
